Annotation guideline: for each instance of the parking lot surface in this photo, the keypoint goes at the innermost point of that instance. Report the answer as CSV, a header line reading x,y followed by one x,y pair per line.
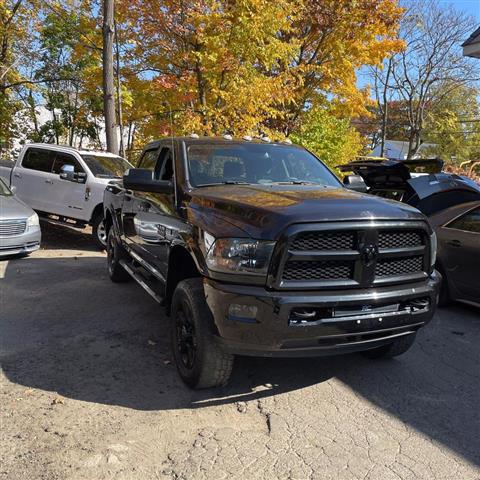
x,y
88,391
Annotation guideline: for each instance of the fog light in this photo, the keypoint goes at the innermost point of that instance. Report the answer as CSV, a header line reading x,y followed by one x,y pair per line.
x,y
242,313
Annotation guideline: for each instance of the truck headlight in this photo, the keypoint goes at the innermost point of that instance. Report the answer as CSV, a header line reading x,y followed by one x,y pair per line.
x,y
433,249
32,222
238,255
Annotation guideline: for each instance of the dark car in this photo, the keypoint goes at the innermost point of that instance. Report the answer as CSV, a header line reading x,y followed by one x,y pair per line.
x,y
256,248
458,259
420,183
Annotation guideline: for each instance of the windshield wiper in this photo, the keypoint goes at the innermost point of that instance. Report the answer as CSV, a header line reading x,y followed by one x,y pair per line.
x,y
293,182
227,182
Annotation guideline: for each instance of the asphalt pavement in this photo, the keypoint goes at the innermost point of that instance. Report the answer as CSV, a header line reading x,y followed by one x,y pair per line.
x,y
88,391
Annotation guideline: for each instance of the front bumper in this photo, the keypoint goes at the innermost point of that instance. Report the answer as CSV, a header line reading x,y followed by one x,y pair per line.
x,y
20,244
273,333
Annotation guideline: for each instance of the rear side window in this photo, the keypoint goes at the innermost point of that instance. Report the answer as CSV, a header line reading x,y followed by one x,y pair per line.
x,y
62,159
148,160
469,222
39,159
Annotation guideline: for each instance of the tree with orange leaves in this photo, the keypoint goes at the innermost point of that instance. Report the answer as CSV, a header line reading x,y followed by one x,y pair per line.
x,y
250,66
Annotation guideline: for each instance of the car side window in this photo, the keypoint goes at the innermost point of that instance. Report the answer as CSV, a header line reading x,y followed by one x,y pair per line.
x,y
39,159
164,167
148,159
469,222
62,159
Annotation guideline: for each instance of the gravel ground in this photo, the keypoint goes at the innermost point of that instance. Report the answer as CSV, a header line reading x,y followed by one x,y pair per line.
x,y
87,391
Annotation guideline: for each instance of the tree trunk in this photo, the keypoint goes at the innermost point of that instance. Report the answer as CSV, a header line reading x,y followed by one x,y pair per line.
x,y
108,82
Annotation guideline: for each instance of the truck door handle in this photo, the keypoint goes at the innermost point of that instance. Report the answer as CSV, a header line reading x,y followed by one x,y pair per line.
x,y
455,243
49,181
18,175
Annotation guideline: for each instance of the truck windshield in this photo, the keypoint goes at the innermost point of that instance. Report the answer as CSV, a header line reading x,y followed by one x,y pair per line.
x,y
4,190
270,164
106,166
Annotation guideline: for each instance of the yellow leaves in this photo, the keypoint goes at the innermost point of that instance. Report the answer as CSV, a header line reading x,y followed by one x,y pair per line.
x,y
331,138
250,66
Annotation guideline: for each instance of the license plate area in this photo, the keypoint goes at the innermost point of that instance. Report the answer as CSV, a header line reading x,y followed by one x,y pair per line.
x,y
310,316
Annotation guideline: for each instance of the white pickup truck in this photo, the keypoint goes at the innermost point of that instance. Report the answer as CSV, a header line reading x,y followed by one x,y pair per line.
x,y
63,184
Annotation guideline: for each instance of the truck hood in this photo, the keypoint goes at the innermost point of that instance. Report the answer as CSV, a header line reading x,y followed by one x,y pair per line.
x,y
13,208
264,211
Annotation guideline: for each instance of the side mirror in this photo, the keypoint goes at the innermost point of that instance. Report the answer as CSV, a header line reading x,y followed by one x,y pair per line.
x,y
13,189
68,173
355,182
142,180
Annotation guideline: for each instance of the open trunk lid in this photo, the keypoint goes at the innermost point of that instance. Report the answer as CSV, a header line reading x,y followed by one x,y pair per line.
x,y
420,183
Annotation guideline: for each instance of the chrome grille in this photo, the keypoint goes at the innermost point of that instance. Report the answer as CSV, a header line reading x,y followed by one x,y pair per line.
x,y
402,266
352,254
323,241
12,227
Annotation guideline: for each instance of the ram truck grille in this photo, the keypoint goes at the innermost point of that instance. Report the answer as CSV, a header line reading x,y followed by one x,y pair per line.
x,y
344,255
402,266
9,228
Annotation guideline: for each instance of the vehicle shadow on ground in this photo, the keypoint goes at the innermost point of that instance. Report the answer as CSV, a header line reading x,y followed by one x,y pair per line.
x,y
109,344
66,238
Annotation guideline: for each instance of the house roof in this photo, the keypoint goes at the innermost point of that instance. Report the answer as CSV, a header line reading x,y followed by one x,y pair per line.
x,y
474,38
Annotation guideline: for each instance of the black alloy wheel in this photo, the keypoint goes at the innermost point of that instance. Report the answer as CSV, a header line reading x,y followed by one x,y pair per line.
x,y
186,336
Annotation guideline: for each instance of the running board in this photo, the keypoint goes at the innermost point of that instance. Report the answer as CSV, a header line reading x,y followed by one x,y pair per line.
x,y
138,278
78,226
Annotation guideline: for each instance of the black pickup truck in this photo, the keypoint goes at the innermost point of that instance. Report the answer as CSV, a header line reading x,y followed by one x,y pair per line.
x,y
256,248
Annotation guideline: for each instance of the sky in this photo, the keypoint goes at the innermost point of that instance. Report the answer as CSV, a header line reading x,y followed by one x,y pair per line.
x,y
471,7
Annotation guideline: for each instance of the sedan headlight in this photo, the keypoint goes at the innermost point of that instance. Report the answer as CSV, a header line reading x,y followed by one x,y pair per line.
x,y
238,255
433,249
32,222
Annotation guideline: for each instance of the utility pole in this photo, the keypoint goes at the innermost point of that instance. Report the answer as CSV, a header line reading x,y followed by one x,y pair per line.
x,y
108,81
119,92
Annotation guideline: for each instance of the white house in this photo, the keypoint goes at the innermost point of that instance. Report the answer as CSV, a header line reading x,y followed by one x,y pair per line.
x,y
471,48
397,150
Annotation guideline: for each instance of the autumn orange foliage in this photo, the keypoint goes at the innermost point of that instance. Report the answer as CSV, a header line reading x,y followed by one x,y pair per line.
x,y
249,66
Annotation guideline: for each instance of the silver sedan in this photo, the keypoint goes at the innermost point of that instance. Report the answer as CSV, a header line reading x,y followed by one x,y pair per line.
x,y
19,226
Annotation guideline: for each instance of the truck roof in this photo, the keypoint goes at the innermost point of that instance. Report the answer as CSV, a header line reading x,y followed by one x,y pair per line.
x,y
226,139
83,151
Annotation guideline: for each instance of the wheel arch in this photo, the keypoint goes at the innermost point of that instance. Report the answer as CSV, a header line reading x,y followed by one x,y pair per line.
x,y
98,209
181,265
108,220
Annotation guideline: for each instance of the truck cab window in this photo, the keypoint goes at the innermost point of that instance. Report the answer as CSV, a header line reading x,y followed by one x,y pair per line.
x,y
148,160
164,166
39,159
62,159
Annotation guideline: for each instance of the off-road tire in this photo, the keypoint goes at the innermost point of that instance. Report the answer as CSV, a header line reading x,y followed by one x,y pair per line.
x,y
115,253
211,365
397,347
99,232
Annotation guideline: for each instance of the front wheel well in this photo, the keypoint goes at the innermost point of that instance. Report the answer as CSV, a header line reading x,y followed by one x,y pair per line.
x,y
108,221
180,267
98,209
